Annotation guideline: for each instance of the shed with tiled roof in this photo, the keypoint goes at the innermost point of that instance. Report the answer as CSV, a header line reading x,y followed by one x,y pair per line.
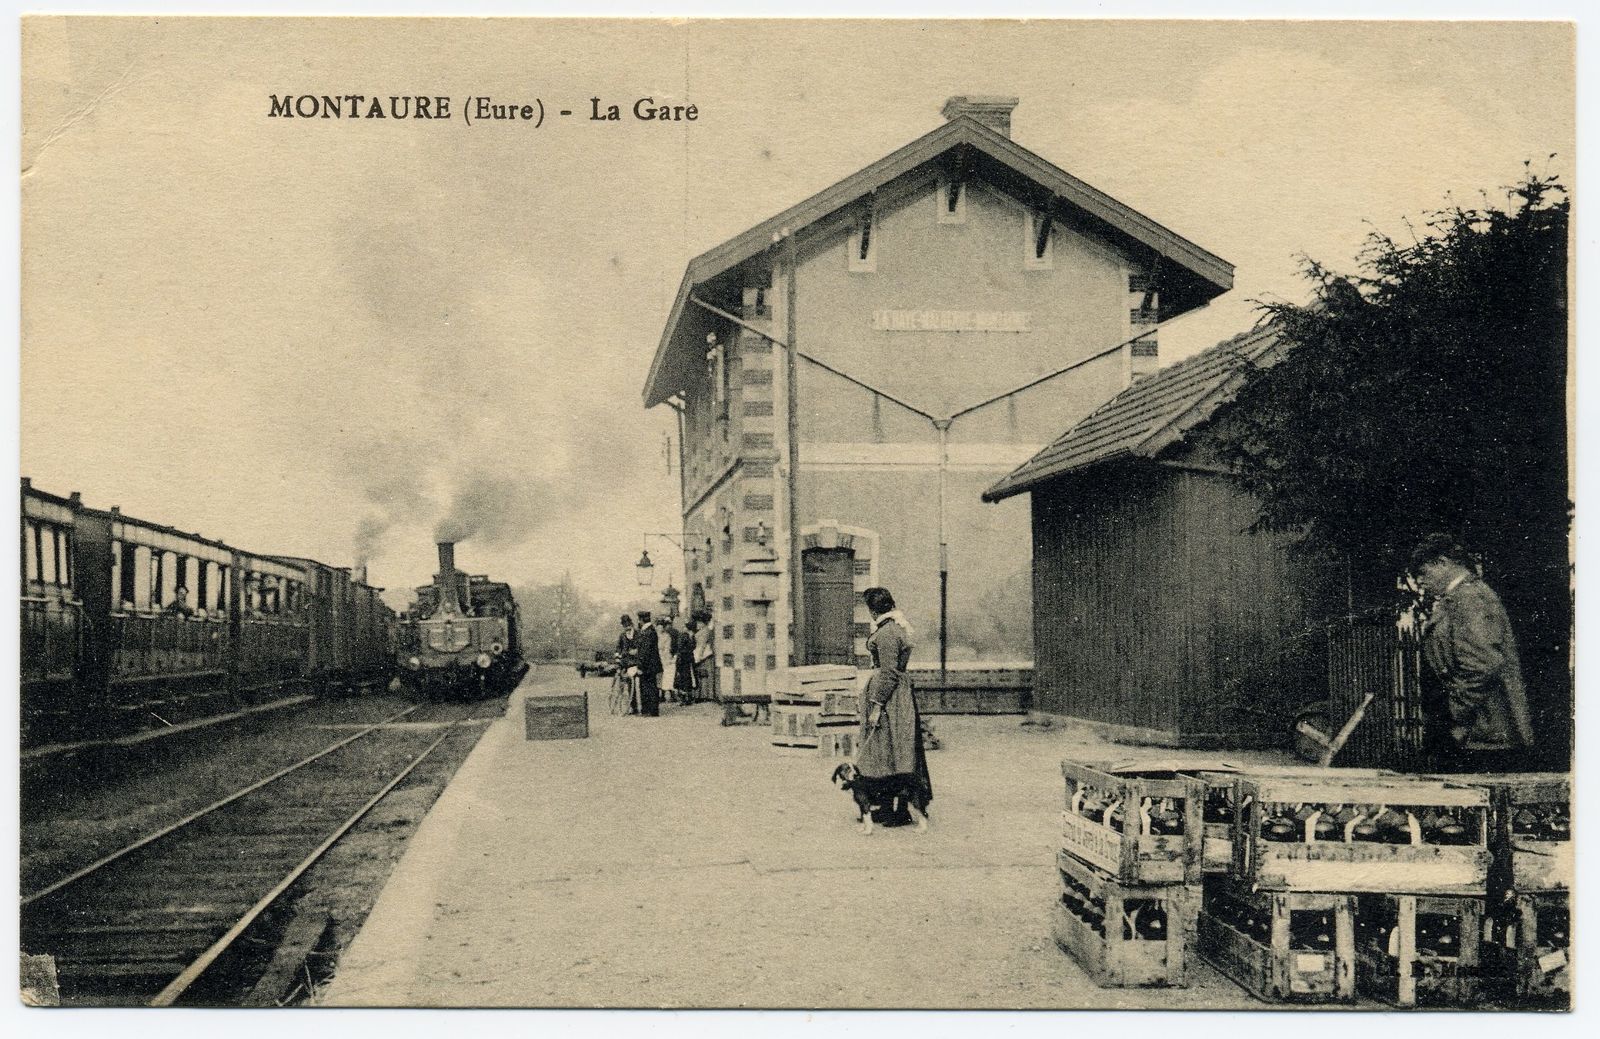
x,y
1159,614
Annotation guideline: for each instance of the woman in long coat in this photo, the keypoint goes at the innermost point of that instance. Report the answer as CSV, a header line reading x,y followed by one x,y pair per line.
x,y
891,756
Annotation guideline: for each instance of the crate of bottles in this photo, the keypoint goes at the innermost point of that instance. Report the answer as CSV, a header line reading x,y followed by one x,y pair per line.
x,y
1221,795
1280,946
1142,826
1124,936
1530,837
1401,834
1419,950
1526,950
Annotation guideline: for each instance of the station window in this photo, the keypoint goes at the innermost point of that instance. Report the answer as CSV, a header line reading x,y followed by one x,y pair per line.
x,y
1038,241
864,244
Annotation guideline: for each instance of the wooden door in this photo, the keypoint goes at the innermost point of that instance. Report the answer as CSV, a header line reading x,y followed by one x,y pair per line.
x,y
830,600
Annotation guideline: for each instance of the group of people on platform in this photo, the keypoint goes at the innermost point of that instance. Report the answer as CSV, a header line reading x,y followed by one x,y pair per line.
x,y
666,663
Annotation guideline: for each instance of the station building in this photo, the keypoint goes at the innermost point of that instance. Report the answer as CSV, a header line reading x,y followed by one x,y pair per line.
x,y
851,374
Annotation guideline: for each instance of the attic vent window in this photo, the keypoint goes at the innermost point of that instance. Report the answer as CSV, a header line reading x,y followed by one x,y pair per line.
x,y
864,244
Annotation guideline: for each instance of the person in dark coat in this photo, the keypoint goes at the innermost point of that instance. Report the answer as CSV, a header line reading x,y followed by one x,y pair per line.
x,y
1480,714
891,732
688,688
628,661
649,664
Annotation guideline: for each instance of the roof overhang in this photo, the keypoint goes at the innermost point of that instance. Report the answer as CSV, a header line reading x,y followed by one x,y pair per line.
x,y
1196,275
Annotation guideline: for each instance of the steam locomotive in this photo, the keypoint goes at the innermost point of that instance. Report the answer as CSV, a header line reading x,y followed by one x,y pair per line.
x,y
461,638
130,625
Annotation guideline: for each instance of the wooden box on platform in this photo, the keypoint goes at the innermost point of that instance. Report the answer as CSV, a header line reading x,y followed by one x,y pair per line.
x,y
794,726
1385,834
1140,826
1122,935
558,717
1285,946
814,707
1526,951
1419,950
838,741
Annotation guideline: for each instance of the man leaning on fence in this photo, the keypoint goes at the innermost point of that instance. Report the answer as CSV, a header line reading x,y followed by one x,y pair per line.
x,y
1478,719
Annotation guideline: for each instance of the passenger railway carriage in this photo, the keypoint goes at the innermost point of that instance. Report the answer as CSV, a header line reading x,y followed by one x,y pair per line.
x,y
128,624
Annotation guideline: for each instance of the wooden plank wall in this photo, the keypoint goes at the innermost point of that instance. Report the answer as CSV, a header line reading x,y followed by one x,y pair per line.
x,y
1155,611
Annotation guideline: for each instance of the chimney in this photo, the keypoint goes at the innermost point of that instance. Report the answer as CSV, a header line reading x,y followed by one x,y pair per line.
x,y
447,558
992,110
360,574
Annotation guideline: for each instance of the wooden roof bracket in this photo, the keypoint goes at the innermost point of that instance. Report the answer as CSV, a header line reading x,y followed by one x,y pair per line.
x,y
1041,239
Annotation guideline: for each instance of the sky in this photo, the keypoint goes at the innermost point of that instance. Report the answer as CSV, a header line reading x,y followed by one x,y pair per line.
x,y
337,338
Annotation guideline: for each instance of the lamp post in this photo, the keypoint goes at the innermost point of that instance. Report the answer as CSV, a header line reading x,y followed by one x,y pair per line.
x,y
644,569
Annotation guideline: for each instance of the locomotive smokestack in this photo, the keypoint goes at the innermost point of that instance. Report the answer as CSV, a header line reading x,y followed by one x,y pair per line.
x,y
447,557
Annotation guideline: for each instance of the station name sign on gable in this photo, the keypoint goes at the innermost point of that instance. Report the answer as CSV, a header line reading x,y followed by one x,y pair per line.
x,y
952,321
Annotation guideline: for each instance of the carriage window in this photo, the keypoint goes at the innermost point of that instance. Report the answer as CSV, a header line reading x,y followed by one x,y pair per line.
x,y
202,584
30,551
222,586
68,563
127,565
144,562
166,591
47,554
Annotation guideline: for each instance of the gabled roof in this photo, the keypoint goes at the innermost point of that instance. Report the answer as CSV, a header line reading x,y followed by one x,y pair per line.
x,y
1149,416
1202,275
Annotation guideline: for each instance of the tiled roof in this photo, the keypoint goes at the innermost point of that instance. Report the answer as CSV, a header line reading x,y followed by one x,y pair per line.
x,y
1147,417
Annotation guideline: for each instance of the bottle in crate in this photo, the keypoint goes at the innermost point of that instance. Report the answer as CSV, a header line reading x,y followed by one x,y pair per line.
x,y
1280,946
1420,950
1527,951
1123,935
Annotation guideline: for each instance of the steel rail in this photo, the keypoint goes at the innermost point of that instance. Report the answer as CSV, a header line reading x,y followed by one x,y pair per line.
x,y
101,863
190,974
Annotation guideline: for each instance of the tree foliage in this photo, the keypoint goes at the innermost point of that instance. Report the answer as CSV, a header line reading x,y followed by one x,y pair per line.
x,y
1428,391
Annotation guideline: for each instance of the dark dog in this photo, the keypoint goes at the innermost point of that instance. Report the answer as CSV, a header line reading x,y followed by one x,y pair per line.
x,y
887,801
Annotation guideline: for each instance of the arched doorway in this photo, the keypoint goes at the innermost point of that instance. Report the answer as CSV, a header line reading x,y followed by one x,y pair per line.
x,y
830,599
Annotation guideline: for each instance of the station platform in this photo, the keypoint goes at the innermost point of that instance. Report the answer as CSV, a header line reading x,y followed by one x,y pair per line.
x,y
672,862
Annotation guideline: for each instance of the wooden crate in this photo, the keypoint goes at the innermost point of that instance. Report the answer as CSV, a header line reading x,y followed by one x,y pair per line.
x,y
1299,862
1530,831
1419,950
838,741
1275,944
1120,841
1218,807
1121,935
556,717
794,725
1527,951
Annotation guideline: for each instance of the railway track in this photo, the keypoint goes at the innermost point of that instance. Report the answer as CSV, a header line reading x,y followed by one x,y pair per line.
x,y
183,913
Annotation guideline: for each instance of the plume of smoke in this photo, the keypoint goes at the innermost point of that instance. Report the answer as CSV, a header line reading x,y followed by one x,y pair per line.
x,y
493,509
399,496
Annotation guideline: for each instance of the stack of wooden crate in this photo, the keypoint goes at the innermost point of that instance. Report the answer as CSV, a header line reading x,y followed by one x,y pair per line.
x,y
816,708
1130,865
1400,862
1527,941
1311,885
